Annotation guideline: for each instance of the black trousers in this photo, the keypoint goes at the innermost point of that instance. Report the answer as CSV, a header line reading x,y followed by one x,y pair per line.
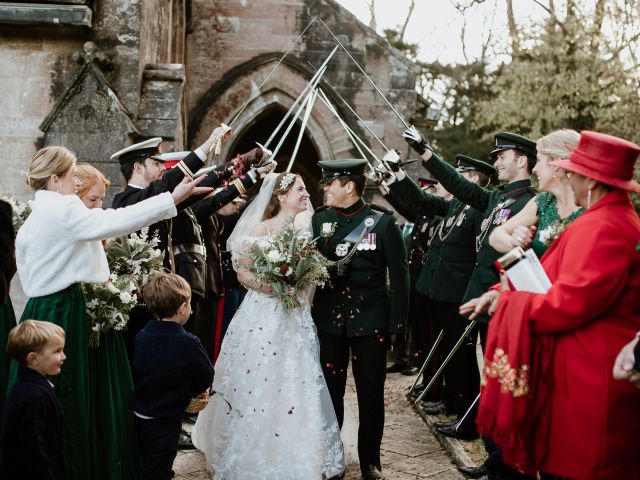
x,y
368,355
461,375
202,322
158,442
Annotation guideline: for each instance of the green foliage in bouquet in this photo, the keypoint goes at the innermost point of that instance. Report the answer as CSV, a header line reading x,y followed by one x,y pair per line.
x,y
289,262
132,261
20,211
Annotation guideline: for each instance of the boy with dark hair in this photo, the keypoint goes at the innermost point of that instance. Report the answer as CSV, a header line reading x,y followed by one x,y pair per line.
x,y
31,426
170,367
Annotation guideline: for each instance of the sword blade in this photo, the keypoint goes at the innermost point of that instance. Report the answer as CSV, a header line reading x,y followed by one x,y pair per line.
x,y
445,361
310,102
364,73
427,360
274,69
312,83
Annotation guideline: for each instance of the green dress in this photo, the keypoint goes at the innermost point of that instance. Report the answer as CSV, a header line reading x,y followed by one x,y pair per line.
x,y
67,309
114,449
547,216
7,322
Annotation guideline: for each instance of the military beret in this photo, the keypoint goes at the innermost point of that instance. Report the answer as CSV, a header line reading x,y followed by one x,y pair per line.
x,y
511,141
467,164
139,151
332,169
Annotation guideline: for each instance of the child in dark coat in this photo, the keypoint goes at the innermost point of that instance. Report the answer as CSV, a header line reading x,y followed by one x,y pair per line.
x,y
170,367
31,425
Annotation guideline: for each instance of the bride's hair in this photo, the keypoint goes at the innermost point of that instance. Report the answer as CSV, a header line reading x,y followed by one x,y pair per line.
x,y
284,182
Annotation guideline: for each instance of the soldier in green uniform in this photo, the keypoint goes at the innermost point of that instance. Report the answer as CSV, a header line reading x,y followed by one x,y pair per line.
x,y
444,279
358,314
515,157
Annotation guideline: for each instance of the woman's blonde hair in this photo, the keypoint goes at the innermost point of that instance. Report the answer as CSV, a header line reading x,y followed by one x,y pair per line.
x,y
46,162
558,144
280,188
89,176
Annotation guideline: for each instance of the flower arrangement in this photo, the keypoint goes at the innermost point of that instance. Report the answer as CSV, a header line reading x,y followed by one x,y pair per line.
x,y
21,210
288,262
132,261
550,234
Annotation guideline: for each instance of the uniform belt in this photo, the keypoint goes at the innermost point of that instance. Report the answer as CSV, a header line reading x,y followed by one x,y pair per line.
x,y
188,248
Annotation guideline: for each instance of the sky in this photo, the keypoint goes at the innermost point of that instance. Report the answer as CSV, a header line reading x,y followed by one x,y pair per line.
x,y
436,25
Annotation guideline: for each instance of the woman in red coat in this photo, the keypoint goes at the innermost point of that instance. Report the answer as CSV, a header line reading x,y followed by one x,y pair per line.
x,y
548,396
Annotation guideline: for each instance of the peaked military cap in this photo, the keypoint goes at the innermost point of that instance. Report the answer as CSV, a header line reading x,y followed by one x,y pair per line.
x,y
427,182
170,159
332,169
139,151
511,141
468,164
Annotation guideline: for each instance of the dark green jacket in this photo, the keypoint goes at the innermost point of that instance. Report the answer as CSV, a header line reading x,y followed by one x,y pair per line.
x,y
497,205
452,255
363,304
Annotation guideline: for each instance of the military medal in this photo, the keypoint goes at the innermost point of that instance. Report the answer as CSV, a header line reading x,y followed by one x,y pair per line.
x,y
342,249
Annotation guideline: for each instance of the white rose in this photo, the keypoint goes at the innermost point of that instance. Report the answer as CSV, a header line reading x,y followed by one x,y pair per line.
x,y
125,297
289,272
273,256
264,244
327,228
112,288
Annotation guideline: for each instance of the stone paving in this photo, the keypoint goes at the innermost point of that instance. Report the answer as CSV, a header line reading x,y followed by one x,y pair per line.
x,y
409,450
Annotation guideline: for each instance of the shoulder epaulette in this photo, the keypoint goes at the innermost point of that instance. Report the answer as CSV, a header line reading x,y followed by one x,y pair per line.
x,y
321,208
381,209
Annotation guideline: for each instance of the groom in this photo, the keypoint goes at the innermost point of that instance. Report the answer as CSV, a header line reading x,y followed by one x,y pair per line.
x,y
356,314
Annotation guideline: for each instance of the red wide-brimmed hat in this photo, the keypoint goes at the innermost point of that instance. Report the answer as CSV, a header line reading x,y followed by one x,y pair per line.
x,y
608,159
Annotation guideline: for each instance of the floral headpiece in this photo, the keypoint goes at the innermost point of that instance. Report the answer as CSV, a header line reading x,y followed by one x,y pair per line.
x,y
286,180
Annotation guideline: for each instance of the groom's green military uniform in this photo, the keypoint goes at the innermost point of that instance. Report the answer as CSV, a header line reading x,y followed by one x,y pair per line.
x,y
365,303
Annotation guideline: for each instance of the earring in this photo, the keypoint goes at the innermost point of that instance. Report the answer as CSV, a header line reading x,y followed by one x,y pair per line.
x,y
589,199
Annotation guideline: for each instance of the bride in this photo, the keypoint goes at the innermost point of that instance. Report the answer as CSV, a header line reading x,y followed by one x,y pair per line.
x,y
272,416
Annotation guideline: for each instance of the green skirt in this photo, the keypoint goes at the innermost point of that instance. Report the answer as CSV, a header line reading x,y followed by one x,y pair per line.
x,y
67,309
7,322
114,449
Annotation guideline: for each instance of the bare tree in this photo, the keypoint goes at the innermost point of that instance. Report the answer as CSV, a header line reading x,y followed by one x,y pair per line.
x,y
406,21
372,10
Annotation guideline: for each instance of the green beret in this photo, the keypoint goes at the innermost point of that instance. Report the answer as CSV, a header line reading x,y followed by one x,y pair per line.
x,y
332,169
467,164
511,141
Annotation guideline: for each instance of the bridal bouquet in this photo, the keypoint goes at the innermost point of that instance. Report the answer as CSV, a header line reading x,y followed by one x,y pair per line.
x,y
289,262
132,261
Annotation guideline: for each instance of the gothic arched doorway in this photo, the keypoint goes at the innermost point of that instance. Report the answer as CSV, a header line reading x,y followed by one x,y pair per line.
x,y
306,162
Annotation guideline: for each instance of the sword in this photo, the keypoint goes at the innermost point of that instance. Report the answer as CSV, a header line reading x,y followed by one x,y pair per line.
x,y
466,414
354,138
311,99
312,84
427,360
364,73
356,115
446,361
274,69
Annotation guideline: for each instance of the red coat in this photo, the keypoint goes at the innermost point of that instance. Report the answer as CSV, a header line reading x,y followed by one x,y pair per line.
x,y
592,310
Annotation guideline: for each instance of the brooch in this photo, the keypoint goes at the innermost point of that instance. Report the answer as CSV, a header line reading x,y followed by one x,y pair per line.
x,y
342,249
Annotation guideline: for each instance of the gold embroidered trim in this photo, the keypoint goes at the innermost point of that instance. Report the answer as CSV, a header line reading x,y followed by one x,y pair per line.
x,y
514,380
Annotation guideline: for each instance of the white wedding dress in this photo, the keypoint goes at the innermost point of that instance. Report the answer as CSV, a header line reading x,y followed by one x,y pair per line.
x,y
272,416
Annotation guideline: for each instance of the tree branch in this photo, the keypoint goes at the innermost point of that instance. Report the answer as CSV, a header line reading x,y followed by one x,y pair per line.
x,y
406,20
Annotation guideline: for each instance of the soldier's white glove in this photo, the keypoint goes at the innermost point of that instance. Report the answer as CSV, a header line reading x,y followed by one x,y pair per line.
x,y
415,140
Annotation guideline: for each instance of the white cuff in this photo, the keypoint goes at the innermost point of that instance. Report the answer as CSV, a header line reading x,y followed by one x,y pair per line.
x,y
253,174
201,155
400,175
